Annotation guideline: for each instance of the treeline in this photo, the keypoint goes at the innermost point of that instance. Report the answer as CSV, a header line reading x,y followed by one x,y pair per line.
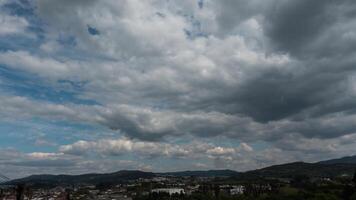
x,y
300,188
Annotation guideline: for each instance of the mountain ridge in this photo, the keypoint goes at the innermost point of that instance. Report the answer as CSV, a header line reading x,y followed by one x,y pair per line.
x,y
346,159
326,168
202,173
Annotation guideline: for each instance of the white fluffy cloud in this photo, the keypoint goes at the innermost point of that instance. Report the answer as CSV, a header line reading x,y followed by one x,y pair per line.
x,y
42,66
110,147
239,157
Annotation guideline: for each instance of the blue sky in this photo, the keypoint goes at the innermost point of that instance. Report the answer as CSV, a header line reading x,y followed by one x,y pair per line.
x,y
100,86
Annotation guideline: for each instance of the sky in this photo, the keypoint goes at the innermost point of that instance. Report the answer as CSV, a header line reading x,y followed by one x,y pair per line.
x,y
170,85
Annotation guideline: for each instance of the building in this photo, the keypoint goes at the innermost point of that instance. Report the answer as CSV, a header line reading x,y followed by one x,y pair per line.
x,y
170,191
236,190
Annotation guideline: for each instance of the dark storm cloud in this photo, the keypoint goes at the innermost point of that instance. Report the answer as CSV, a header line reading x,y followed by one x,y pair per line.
x,y
295,26
319,35
277,94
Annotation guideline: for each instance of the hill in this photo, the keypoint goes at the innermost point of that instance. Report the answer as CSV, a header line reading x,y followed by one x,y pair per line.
x,y
291,170
328,168
345,160
109,178
209,173
112,178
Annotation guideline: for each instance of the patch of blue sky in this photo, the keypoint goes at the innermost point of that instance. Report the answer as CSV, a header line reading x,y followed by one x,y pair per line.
x,y
23,134
18,42
93,30
35,35
260,145
74,131
201,4
29,41
67,40
22,8
20,83
9,137
226,142
37,28
26,148
195,30
25,9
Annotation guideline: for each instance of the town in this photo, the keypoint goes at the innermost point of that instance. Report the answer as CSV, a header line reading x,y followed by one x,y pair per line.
x,y
194,188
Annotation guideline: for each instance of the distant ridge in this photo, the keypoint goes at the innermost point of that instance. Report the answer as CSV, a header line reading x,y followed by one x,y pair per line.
x,y
112,178
344,160
328,168
209,173
291,170
109,178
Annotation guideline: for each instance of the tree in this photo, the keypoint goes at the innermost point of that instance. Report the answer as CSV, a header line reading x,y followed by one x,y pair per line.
x,y
347,192
300,181
1,193
67,194
20,192
28,193
216,191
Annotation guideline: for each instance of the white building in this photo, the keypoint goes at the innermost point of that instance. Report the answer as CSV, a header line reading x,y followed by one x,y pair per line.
x,y
236,190
170,191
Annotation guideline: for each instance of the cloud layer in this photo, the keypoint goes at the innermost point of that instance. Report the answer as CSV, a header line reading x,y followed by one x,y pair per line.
x,y
276,75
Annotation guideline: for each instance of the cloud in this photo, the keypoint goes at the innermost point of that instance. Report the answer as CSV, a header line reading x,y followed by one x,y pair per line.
x,y
17,164
41,155
149,124
43,142
280,72
11,25
119,147
302,27
43,163
13,157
